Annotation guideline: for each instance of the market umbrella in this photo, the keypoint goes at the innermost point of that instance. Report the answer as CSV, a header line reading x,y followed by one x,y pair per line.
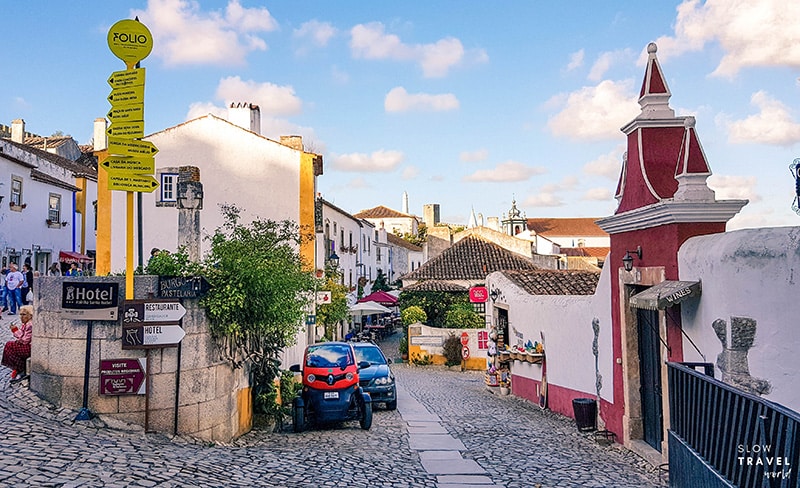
x,y
381,297
368,308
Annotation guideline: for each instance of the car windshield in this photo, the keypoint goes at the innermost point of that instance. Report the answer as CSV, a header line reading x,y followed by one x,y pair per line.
x,y
329,356
371,354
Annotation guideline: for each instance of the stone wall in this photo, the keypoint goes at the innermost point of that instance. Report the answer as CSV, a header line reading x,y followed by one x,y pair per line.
x,y
214,399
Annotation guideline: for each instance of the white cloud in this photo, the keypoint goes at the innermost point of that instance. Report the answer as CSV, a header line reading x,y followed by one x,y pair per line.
x,y
271,99
773,124
543,200
505,172
183,34
370,41
605,61
594,112
576,60
473,156
598,194
409,173
199,109
316,32
399,100
751,33
606,165
568,183
734,187
377,162
357,184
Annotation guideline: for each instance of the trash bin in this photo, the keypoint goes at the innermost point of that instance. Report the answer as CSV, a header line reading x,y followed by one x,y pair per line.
x,y
585,410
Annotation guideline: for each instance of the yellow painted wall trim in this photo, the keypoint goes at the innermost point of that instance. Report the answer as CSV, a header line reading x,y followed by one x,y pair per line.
x,y
307,192
244,405
103,258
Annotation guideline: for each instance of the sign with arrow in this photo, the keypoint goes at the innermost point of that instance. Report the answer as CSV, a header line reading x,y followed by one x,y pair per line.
x,y
151,335
132,129
123,376
127,78
126,95
131,182
131,147
134,311
141,165
131,112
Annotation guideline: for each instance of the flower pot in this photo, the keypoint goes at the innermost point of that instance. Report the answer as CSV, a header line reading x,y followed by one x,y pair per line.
x,y
504,390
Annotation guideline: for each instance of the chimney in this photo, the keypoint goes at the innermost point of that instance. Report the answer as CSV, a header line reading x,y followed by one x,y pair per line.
x,y
405,203
295,142
245,115
18,130
99,134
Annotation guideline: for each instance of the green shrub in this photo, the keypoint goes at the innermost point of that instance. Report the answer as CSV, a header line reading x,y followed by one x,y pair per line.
x,y
451,349
413,315
463,316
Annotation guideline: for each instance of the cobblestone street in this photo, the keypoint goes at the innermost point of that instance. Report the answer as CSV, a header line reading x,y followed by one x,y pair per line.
x,y
448,431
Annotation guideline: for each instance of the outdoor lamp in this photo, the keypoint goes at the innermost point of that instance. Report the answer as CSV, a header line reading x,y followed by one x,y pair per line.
x,y
494,294
627,261
333,260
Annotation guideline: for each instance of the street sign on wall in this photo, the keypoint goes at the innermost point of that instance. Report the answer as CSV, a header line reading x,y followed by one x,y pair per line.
x,y
137,336
123,376
134,311
182,286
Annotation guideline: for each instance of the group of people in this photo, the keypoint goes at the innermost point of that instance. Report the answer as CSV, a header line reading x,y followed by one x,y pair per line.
x,y
15,287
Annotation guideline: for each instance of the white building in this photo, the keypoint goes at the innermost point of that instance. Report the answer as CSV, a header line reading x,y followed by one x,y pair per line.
x,y
46,205
352,241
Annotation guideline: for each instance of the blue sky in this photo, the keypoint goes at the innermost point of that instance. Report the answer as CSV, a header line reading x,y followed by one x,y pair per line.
x,y
463,103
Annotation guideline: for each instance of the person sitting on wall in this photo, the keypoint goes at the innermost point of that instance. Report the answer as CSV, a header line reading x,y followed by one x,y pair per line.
x,y
17,352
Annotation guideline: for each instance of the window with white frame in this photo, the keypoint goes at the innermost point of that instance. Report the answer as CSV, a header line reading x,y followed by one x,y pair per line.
x,y
54,208
169,190
16,190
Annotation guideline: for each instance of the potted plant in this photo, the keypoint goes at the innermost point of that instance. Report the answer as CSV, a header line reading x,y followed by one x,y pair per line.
x,y
404,347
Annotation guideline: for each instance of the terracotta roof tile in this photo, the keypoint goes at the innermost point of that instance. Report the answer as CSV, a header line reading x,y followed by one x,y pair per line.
x,y
555,282
434,285
592,252
381,212
399,241
77,169
568,227
471,258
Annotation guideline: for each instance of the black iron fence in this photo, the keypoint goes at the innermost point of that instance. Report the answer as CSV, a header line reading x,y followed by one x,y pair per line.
x,y
722,436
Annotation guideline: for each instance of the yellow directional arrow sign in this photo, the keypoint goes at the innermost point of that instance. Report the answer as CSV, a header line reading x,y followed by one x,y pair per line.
x,y
126,78
141,165
126,113
126,129
131,147
126,95
126,182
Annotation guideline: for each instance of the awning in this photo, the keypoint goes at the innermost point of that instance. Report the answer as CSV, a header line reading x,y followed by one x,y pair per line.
x,y
666,294
73,257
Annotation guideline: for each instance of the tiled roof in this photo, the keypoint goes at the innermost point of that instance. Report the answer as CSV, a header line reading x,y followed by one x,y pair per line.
x,y
471,258
381,212
434,285
40,142
77,169
555,282
399,241
568,227
592,252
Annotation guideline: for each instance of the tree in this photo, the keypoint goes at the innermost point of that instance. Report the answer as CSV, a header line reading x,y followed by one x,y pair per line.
x,y
259,295
380,283
434,303
417,239
330,314
463,316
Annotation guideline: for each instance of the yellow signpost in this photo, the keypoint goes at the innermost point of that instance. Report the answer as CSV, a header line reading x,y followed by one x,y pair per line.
x,y
131,182
140,165
129,161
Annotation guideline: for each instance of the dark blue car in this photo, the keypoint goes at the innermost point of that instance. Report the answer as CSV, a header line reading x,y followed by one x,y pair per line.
x,y
377,379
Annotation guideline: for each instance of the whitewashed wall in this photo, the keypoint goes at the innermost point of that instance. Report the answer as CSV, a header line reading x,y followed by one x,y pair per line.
x,y
236,166
753,273
566,321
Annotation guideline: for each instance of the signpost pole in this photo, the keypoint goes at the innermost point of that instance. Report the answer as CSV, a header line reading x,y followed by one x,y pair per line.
x,y
129,249
147,394
177,388
85,413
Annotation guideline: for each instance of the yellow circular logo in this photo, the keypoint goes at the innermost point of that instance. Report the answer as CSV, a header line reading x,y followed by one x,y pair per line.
x,y
130,41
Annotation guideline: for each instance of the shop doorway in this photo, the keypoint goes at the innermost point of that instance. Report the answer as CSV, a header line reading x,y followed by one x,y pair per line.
x,y
650,377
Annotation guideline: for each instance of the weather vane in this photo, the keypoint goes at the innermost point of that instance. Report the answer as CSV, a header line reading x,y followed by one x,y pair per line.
x,y
795,170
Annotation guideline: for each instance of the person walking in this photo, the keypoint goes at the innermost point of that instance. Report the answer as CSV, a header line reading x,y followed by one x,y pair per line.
x,y
27,284
14,280
17,352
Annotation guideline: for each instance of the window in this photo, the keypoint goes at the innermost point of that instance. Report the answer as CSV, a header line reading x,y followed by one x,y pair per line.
x,y
16,190
378,254
342,237
169,182
483,339
351,239
54,208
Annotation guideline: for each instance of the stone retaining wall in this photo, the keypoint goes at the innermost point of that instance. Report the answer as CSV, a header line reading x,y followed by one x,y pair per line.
x,y
214,399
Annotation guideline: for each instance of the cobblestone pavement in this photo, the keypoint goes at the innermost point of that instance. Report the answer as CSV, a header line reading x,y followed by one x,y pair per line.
x,y
510,442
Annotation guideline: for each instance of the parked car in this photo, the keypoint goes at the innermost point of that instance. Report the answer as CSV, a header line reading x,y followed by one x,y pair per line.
x,y
377,379
331,392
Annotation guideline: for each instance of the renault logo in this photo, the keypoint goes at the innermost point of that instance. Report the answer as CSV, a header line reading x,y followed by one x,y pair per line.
x,y
331,379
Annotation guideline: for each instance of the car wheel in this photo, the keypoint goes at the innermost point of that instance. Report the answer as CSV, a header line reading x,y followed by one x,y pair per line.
x,y
391,405
298,415
366,413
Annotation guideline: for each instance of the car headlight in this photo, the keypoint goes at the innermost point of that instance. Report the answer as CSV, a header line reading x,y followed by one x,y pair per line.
x,y
311,378
349,376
